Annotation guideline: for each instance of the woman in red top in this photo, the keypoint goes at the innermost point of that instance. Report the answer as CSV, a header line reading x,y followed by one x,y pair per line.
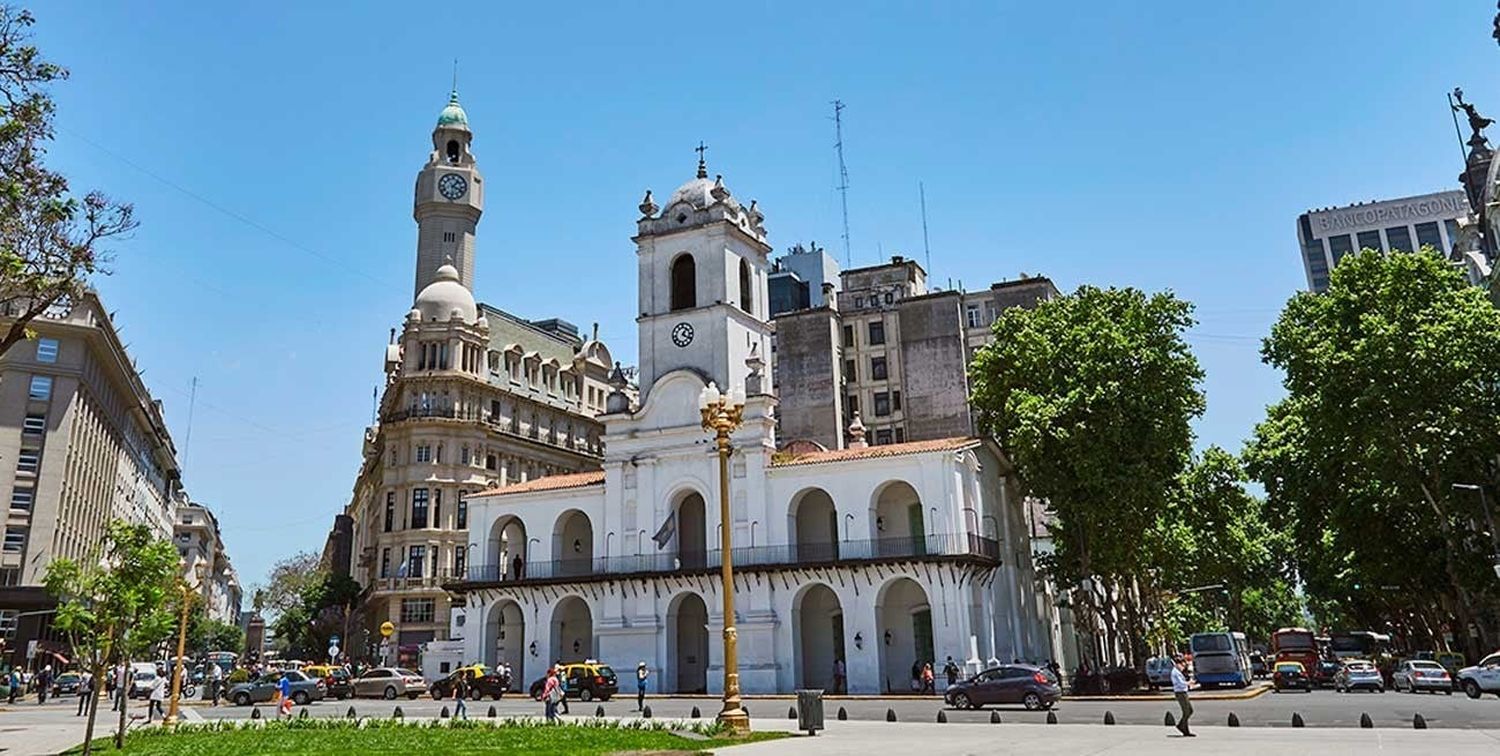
x,y
552,692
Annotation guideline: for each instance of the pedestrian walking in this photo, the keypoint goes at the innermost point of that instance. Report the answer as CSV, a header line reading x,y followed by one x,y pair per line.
x,y
928,686
121,675
552,693
285,689
215,679
44,684
85,692
950,670
15,685
1180,692
840,676
562,683
460,694
158,695
641,673
916,675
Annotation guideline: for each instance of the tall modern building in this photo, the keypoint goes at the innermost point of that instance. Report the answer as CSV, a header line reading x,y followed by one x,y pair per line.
x,y
475,398
1408,223
82,442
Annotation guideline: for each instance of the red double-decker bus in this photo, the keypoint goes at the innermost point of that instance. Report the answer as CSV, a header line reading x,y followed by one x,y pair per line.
x,y
1296,644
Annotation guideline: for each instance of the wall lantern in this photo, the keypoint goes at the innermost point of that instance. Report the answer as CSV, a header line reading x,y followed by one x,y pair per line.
x,y
880,524
576,646
533,648
859,640
887,638
577,545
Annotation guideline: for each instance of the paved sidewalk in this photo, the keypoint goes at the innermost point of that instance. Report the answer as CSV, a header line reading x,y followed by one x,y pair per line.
x,y
866,738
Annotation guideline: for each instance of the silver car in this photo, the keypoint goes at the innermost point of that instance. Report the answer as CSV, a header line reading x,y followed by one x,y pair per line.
x,y
1421,674
1356,674
389,683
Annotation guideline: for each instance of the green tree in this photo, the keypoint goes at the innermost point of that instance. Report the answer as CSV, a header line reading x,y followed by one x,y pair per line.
x,y
1392,399
1092,395
115,605
50,240
205,635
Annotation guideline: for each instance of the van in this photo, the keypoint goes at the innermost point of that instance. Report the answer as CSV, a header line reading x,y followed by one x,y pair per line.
x,y
142,678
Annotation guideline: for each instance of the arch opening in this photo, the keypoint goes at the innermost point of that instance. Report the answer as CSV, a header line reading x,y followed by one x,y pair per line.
x,y
814,527
903,629
506,550
684,283
572,630
818,645
506,635
688,643
573,544
898,526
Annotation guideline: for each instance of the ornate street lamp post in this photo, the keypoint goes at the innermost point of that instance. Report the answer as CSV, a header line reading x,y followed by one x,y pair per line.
x,y
722,414
187,602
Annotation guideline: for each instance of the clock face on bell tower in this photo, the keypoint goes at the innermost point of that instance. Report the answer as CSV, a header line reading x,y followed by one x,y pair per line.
x,y
448,201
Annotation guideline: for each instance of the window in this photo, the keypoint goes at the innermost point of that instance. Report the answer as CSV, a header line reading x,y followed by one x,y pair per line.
x,y
46,350
490,463
461,514
394,460
20,498
877,368
882,404
449,236
851,371
385,561
896,401
424,453
746,283
390,510
852,401
1452,228
900,435
15,540
29,460
883,437
848,335
41,387
1428,236
1339,246
889,298
34,424
877,332
437,507
1370,240
464,457
439,457
971,316
418,508
1399,237
416,560
8,620
417,610
684,283
458,562
859,302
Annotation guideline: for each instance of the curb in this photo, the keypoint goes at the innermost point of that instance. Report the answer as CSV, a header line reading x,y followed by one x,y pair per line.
x,y
1243,695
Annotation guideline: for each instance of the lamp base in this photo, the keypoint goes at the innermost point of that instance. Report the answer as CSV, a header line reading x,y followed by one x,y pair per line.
x,y
736,720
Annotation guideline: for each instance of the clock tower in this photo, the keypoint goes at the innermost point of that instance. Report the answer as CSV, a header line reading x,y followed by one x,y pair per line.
x,y
703,264
448,201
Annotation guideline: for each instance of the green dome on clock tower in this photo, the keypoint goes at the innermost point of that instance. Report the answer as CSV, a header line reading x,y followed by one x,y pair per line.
x,y
453,114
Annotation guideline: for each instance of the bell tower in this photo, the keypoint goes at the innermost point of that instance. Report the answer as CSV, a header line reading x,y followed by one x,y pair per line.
x,y
449,199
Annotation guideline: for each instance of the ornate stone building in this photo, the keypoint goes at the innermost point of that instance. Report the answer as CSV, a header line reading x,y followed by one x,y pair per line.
x,y
475,398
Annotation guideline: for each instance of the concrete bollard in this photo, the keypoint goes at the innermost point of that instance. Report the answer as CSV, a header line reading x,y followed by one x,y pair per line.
x,y
599,711
1364,721
646,712
492,712
696,713
398,713
1418,722
1169,720
890,715
255,712
843,715
1051,717
791,712
1109,717
1296,719
994,717
942,717
1234,721
444,713
350,713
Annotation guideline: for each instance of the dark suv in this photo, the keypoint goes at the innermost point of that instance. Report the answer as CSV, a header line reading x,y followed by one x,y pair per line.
x,y
483,681
1030,686
583,680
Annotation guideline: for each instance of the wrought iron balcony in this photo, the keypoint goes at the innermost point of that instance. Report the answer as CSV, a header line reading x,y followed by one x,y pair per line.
x,y
944,547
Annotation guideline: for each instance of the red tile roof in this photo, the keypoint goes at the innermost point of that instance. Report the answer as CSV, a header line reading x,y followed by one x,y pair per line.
x,y
875,452
549,483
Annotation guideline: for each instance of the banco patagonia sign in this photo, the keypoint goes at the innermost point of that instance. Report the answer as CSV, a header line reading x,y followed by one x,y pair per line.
x,y
1385,213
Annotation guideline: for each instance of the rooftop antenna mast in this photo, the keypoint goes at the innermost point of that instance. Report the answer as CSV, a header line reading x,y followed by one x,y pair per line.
x,y
838,146
187,442
926,250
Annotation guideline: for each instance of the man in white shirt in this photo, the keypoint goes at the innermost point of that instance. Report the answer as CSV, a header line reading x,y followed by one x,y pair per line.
x,y
1180,691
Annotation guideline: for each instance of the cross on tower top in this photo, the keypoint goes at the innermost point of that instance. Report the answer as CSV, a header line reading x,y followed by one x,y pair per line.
x,y
702,165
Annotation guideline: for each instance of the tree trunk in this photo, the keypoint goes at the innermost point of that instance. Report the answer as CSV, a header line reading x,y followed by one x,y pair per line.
x,y
88,728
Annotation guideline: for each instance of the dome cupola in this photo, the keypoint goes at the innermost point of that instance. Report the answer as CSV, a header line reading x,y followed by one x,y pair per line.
x,y
445,297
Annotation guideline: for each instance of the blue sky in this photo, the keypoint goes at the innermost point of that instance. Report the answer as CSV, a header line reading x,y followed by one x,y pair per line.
x,y
270,150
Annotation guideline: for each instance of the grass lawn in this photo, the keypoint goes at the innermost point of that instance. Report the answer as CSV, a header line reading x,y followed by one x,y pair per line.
x,y
448,737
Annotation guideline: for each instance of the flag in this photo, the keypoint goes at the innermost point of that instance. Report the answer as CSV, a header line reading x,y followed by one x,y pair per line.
x,y
668,529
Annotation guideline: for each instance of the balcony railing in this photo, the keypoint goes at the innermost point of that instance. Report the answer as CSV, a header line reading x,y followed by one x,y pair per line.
x,y
880,549
576,443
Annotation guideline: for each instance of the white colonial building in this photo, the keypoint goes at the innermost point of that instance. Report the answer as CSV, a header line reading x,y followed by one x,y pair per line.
x,y
884,557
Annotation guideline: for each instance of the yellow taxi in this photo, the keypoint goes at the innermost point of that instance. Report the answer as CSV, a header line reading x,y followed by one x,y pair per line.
x,y
335,678
586,681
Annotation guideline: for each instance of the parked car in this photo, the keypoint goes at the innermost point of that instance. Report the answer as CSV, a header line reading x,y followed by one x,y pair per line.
x,y
1030,686
586,681
66,684
1327,670
1159,672
483,681
1481,678
336,679
1289,675
389,683
1421,674
1358,674
304,689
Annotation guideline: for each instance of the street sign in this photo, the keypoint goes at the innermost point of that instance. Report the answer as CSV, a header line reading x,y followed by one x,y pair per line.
x,y
31,649
386,629
333,651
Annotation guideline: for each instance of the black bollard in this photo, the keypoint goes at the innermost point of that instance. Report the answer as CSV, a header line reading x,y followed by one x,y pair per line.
x,y
646,712
791,712
1109,717
398,713
696,713
994,717
843,715
1234,721
942,717
1051,717
443,714
302,715
745,709
255,712
1296,719
1418,722
890,715
350,713
492,712
1364,721
599,711
1169,720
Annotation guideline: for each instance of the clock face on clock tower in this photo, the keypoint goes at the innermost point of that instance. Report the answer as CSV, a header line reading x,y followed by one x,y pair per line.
x,y
452,186
682,334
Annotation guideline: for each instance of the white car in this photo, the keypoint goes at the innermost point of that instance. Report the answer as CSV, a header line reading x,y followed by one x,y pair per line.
x,y
1481,678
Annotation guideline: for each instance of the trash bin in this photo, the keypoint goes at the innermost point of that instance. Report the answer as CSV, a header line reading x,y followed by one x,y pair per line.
x,y
810,711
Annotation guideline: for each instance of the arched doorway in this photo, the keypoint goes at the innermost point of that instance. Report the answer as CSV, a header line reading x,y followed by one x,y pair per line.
x,y
506,550
692,532
818,630
815,527
898,527
688,642
507,641
903,632
572,630
573,543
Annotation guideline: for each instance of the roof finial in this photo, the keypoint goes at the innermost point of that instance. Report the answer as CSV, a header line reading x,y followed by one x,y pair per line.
x,y
702,165
455,79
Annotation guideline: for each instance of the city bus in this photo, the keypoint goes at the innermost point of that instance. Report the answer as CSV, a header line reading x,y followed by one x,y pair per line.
x,y
1359,644
1296,644
1221,658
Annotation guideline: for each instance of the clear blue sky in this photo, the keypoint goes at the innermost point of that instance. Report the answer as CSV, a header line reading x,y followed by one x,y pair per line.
x,y
270,149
